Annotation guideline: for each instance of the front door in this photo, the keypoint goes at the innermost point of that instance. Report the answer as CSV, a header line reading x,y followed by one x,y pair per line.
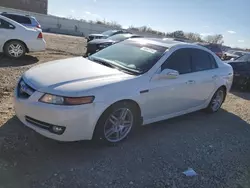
x,y
168,96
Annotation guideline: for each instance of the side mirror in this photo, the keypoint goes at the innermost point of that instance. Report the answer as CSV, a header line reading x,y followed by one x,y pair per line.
x,y
167,74
232,59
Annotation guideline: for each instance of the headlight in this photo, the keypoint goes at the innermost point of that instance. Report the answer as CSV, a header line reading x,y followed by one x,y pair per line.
x,y
59,100
104,45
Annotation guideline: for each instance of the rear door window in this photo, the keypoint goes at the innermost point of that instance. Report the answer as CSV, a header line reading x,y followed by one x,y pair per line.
x,y
19,19
6,25
202,60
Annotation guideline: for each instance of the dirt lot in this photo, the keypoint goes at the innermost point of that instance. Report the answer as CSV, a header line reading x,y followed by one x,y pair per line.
x,y
216,146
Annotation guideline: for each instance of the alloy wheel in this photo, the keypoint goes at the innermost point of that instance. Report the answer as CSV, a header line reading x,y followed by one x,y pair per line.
x,y
217,100
118,125
15,50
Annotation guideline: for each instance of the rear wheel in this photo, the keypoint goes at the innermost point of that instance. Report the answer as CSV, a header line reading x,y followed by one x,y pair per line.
x,y
216,101
116,123
14,49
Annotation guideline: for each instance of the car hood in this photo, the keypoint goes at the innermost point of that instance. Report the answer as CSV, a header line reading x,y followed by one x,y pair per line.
x,y
72,77
231,55
235,62
101,41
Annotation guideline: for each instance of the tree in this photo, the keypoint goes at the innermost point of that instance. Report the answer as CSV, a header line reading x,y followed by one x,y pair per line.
x,y
114,24
179,34
216,39
176,34
193,37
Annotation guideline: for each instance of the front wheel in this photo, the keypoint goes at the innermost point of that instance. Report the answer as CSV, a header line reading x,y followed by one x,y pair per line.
x,y
116,123
216,101
14,49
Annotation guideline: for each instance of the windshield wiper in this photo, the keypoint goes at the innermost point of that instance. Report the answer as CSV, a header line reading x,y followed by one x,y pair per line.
x,y
113,64
102,62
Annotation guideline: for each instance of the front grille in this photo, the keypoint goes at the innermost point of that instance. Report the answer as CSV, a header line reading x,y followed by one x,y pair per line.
x,y
38,123
24,91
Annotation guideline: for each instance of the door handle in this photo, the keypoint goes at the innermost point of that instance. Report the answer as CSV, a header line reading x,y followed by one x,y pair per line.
x,y
190,82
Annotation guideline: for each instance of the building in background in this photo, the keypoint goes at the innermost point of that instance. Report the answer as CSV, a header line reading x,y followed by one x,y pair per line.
x,y
38,6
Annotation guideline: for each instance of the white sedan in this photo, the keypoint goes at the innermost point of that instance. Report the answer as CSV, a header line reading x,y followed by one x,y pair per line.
x,y
16,39
135,82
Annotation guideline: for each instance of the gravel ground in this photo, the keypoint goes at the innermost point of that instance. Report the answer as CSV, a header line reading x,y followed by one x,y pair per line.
x,y
216,146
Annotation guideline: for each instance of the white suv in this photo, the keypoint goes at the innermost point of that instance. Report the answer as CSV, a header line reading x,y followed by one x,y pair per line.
x,y
16,39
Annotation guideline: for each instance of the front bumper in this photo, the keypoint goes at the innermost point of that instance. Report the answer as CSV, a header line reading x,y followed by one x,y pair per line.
x,y
79,121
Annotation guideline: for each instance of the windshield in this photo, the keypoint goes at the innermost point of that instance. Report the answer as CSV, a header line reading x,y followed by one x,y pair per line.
x,y
132,55
244,58
109,32
120,37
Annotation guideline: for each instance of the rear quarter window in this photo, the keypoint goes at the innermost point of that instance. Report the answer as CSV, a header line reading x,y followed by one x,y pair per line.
x,y
6,25
34,21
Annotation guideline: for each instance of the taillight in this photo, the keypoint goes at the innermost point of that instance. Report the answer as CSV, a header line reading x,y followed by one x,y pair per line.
x,y
40,36
38,26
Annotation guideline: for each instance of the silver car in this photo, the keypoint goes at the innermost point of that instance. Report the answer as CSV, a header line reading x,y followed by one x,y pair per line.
x,y
26,20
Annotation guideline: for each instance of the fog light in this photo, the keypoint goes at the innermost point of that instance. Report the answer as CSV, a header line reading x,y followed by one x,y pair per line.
x,y
57,129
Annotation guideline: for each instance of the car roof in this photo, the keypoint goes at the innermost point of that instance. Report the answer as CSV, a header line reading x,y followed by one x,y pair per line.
x,y
168,43
2,13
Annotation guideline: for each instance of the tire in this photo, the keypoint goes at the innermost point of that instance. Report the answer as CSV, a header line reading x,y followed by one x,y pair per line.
x,y
106,133
14,49
216,101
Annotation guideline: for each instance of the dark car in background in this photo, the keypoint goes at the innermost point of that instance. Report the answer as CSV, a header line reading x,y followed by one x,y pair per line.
x,y
26,20
233,54
241,67
106,34
98,44
216,48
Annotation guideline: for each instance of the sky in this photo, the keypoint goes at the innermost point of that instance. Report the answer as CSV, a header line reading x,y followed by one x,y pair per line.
x,y
231,18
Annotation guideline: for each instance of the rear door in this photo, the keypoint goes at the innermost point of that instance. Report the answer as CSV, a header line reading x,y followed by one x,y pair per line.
x,y
206,73
6,31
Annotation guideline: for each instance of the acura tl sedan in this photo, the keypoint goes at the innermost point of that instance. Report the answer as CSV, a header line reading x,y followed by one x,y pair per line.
x,y
107,95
